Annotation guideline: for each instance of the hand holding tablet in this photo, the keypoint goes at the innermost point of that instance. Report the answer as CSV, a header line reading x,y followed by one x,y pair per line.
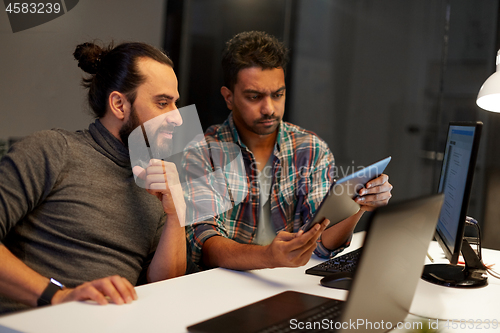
x,y
338,204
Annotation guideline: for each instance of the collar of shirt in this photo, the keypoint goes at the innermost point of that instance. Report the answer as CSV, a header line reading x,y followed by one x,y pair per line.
x,y
229,123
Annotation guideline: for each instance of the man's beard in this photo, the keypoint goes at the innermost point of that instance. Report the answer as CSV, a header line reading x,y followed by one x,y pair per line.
x,y
127,128
269,130
161,147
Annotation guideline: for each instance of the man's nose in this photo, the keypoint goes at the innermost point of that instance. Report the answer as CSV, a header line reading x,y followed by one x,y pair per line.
x,y
267,106
174,117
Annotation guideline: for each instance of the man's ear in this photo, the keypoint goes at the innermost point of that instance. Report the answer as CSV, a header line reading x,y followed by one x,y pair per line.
x,y
228,97
118,104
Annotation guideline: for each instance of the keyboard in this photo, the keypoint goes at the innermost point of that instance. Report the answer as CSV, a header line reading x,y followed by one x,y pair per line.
x,y
330,311
344,263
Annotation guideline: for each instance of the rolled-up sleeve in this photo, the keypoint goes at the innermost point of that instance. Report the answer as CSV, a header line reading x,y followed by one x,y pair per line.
x,y
199,233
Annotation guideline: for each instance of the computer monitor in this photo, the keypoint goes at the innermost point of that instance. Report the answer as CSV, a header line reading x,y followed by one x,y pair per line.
x,y
455,182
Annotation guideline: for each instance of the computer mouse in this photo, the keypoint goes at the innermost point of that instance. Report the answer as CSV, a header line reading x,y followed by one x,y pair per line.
x,y
341,280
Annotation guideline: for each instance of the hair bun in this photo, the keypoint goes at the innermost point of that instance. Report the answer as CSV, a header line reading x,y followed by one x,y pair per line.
x,y
89,56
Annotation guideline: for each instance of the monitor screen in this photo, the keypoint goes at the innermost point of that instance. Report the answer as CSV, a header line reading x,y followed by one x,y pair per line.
x,y
455,182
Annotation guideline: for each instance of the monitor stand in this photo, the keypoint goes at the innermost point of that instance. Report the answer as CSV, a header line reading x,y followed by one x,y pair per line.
x,y
473,275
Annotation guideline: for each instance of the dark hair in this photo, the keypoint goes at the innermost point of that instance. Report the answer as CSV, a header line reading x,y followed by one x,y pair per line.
x,y
251,49
114,69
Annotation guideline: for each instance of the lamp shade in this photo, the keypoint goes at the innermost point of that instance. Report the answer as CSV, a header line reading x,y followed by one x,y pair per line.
x,y
489,94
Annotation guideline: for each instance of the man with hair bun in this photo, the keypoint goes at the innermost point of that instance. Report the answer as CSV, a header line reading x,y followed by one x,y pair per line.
x,y
73,223
289,171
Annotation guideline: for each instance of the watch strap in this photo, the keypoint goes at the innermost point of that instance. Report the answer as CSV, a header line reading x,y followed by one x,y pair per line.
x,y
46,297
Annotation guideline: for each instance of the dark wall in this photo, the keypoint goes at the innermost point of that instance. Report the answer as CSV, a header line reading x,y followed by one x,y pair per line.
x,y
201,35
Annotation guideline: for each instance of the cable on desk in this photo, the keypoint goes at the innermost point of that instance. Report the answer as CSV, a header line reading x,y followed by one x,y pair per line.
x,y
496,275
473,223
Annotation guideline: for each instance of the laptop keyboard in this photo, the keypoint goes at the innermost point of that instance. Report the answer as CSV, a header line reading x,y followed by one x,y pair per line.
x,y
344,263
330,310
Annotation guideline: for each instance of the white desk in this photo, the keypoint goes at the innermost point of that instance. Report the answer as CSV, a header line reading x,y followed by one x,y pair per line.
x,y
171,306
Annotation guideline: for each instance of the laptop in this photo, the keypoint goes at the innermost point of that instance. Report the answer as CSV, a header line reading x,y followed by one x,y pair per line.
x,y
387,274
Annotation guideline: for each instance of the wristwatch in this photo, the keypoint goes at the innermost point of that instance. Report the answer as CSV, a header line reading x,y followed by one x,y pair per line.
x,y
46,297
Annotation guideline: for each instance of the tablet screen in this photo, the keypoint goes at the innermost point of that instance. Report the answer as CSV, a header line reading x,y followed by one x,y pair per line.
x,y
338,204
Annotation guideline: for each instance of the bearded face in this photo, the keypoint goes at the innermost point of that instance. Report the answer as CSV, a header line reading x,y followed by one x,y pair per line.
x,y
158,136
161,142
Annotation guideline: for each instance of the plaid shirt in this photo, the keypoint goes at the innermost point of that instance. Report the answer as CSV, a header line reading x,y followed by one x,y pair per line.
x,y
302,170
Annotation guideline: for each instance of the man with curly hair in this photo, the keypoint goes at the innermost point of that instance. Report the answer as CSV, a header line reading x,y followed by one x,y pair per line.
x,y
288,171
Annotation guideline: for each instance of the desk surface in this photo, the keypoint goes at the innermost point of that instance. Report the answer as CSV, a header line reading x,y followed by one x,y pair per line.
x,y
172,305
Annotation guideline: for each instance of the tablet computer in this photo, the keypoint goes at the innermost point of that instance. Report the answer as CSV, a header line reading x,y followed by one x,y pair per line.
x,y
339,203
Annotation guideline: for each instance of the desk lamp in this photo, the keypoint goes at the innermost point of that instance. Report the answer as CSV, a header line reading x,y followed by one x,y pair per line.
x,y
488,97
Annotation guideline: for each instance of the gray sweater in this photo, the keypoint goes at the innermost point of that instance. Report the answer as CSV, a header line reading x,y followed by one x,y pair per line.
x,y
70,209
